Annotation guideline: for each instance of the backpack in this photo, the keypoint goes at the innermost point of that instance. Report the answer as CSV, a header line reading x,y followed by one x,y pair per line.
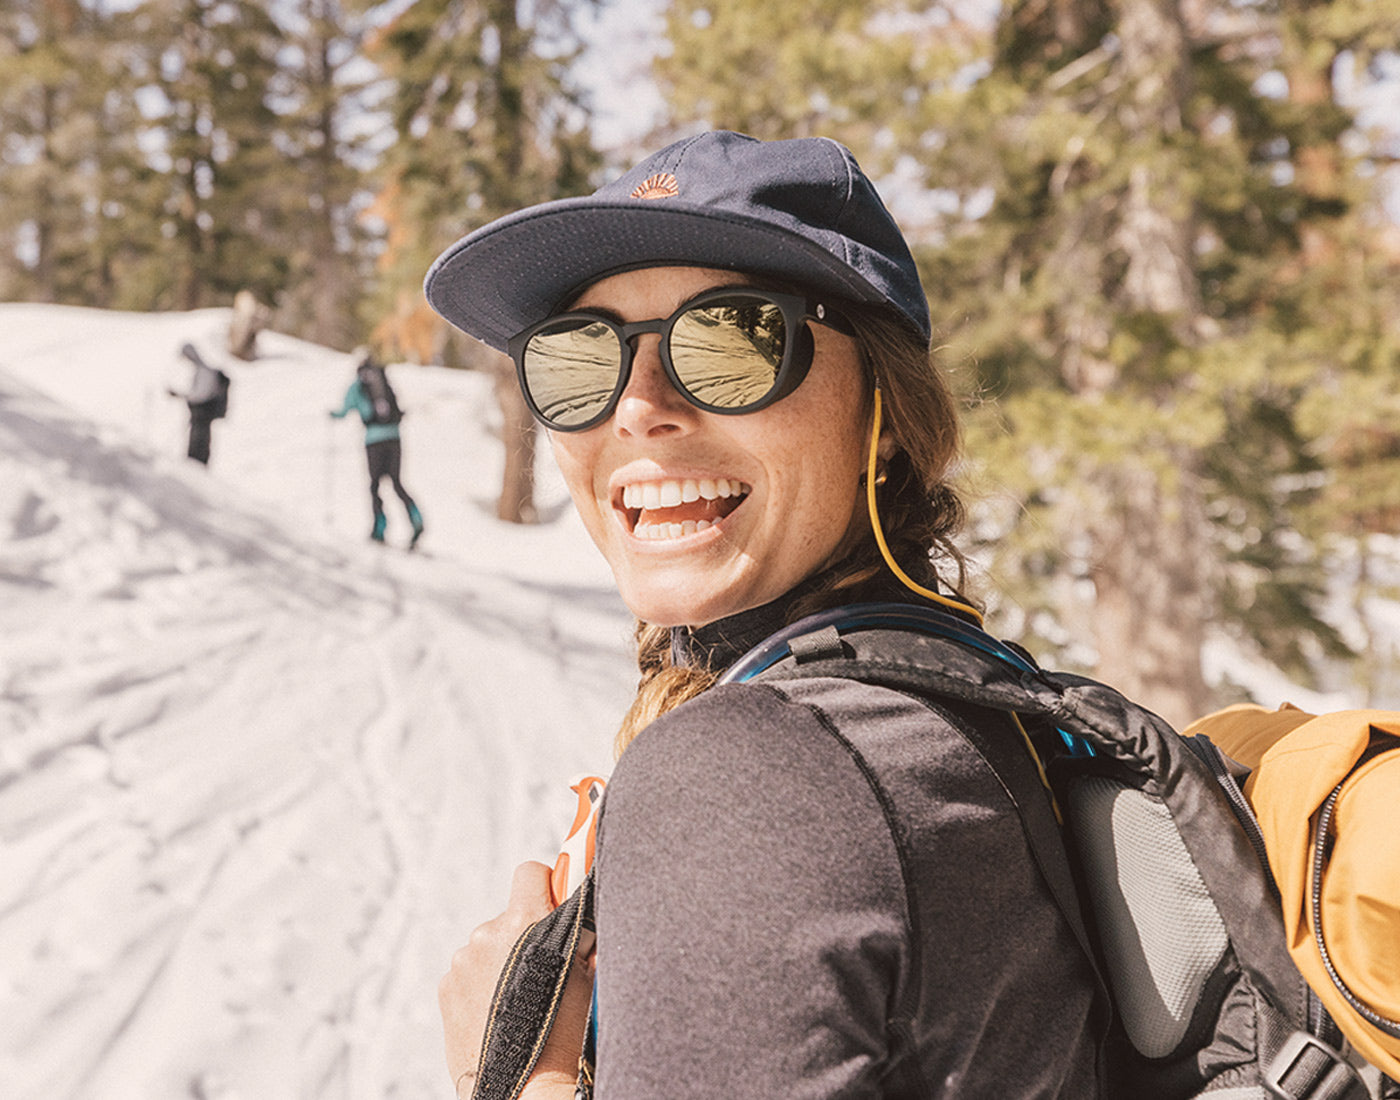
x,y
218,404
1143,836
383,403
208,393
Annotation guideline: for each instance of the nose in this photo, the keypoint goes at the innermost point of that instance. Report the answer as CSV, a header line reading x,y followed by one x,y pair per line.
x,y
650,406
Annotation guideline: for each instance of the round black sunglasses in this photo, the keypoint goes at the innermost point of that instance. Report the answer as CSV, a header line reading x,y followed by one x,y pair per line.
x,y
729,350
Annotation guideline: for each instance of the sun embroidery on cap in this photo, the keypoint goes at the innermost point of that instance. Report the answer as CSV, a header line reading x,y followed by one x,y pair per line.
x,y
663,185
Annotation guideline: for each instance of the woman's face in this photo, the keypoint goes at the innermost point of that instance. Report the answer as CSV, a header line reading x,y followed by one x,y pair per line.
x,y
700,515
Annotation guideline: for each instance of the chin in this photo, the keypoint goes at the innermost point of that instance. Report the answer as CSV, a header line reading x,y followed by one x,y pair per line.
x,y
671,604
668,611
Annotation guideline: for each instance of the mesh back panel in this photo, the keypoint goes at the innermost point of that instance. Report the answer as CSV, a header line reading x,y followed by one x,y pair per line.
x,y
1161,933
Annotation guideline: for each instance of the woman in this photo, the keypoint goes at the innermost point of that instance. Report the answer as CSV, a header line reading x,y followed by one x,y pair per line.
x,y
811,888
371,396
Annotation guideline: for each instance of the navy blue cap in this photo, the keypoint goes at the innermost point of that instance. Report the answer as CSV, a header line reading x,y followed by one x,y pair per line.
x,y
799,210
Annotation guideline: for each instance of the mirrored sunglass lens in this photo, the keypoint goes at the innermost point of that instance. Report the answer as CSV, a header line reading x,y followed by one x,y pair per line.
x,y
571,370
727,352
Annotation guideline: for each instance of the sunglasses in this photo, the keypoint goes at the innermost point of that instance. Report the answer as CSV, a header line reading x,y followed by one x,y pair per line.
x,y
730,350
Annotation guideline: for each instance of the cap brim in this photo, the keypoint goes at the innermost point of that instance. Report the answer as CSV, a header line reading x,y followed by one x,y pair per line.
x,y
497,281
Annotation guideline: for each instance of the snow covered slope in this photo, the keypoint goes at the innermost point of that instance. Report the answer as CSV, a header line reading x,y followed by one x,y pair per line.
x,y
258,777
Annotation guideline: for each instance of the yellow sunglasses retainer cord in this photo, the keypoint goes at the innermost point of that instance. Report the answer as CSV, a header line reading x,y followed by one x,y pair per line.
x,y
909,583
904,578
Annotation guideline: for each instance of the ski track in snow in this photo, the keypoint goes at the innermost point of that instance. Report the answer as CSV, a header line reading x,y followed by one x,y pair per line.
x,y
258,778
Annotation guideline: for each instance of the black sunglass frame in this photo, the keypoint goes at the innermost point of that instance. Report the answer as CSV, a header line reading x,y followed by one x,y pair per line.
x,y
797,310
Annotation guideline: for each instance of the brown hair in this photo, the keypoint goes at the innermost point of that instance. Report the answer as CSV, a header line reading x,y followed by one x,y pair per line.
x,y
919,511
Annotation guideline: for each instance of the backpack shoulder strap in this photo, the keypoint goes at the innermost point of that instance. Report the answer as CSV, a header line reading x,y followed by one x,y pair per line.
x,y
527,996
883,645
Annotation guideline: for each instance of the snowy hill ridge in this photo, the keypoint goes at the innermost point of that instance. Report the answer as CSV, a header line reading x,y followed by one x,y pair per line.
x,y
255,771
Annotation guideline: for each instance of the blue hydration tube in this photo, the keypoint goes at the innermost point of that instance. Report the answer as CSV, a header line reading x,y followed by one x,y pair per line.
x,y
900,616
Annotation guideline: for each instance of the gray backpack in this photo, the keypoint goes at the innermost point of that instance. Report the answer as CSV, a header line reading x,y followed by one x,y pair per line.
x,y
1144,837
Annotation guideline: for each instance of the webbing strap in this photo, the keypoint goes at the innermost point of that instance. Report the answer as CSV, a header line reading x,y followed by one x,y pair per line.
x,y
527,996
820,645
1306,1068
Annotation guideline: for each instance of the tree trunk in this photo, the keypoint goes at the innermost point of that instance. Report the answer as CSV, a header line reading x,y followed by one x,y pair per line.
x,y
1151,607
250,317
517,500
1149,561
510,131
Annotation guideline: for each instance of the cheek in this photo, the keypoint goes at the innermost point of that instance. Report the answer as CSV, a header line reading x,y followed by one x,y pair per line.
x,y
817,474
577,462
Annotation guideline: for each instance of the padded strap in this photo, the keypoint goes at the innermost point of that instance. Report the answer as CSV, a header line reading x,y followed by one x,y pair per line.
x,y
822,653
527,996
999,743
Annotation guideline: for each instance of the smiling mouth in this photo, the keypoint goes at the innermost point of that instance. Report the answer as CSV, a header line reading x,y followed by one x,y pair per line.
x,y
660,510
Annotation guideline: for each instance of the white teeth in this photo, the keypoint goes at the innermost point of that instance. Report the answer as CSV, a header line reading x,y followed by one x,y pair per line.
x,y
669,494
657,531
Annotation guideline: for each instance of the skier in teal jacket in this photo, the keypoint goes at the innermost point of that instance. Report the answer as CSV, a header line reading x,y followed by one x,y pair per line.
x,y
373,398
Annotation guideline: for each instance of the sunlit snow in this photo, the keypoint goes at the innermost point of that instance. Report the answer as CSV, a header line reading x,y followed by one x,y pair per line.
x,y
258,776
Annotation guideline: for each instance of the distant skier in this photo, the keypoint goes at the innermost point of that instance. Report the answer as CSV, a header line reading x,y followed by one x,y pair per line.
x,y
207,398
373,398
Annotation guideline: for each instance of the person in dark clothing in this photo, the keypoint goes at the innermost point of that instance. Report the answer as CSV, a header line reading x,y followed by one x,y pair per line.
x,y
374,399
810,888
207,398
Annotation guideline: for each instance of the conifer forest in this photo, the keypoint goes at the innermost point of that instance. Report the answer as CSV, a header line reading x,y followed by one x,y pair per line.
x,y
1161,240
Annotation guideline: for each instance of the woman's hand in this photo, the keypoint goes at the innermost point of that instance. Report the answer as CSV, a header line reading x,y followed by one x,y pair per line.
x,y
464,994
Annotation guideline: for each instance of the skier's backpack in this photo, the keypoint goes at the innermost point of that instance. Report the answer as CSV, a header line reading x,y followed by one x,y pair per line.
x,y
383,403
1159,867
218,404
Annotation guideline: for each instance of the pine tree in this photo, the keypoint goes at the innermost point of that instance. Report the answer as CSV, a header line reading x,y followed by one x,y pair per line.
x,y
323,109
1141,299
214,67
1346,290
786,69
237,175
68,153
